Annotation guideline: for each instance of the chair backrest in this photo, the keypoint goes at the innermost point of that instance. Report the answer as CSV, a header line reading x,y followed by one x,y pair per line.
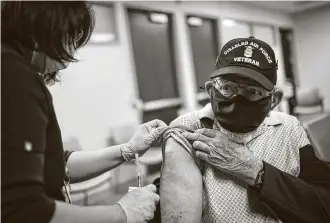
x,y
308,97
308,103
319,133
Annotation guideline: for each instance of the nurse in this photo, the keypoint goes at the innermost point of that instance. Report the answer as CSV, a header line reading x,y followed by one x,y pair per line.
x,y
37,40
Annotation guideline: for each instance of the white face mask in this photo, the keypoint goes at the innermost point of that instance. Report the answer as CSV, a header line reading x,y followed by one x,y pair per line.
x,y
45,64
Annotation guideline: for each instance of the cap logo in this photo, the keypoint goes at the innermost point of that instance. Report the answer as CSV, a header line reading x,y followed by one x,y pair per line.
x,y
235,46
248,51
251,48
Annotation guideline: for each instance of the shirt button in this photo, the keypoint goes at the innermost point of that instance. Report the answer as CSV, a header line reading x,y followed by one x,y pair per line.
x,y
28,146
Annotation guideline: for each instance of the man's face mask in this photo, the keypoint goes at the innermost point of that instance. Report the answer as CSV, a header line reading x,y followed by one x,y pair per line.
x,y
45,64
237,113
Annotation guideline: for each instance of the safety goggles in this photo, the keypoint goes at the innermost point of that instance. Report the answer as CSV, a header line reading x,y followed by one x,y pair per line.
x,y
230,89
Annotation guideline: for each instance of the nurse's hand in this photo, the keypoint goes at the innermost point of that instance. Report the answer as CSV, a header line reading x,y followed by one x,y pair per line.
x,y
148,134
139,205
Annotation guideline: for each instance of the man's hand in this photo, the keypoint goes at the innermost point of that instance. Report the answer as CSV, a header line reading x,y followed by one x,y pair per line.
x,y
147,135
225,155
139,205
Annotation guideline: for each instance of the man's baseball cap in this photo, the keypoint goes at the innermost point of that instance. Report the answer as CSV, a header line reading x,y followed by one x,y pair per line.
x,y
248,57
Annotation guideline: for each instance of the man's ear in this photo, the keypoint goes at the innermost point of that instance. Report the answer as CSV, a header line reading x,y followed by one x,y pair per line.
x,y
208,87
276,97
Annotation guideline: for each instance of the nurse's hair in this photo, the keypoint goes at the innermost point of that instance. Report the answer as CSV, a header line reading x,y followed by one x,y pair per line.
x,y
57,28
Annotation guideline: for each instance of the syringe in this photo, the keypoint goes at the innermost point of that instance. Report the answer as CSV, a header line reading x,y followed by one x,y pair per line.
x,y
138,169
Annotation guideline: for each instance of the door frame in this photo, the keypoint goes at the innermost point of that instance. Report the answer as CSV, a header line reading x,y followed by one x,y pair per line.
x,y
217,30
294,80
154,105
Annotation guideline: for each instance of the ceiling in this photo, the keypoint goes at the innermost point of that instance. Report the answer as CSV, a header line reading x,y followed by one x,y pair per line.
x,y
287,6
290,7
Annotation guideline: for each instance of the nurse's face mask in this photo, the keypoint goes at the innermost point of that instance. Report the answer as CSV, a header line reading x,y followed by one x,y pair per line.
x,y
45,64
238,105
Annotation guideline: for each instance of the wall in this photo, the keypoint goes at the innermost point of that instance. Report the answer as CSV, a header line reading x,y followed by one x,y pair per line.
x,y
97,93
312,35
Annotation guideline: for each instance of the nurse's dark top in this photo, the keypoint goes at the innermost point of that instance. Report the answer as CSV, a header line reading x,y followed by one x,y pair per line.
x,y
32,156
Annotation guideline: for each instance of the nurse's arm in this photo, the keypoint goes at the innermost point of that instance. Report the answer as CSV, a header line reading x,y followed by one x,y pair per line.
x,y
85,165
181,186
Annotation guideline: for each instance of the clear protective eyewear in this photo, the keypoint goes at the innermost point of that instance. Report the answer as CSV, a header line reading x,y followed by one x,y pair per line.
x,y
230,89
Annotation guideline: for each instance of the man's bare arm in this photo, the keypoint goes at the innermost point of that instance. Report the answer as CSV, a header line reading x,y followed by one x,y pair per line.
x,y
181,186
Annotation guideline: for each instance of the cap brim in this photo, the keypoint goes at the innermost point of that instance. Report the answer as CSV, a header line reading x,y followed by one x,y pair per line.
x,y
244,71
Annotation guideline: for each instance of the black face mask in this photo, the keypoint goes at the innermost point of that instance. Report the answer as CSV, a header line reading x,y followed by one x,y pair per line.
x,y
239,114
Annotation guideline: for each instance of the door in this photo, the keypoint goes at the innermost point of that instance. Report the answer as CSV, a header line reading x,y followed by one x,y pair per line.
x,y
204,43
152,42
288,59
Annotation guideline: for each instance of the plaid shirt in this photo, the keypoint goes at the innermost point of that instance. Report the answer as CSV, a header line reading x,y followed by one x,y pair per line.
x,y
226,199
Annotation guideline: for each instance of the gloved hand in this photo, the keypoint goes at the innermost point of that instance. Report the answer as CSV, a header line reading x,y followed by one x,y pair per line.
x,y
148,134
139,205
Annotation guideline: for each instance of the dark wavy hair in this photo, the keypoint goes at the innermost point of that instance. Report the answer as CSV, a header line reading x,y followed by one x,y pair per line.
x,y
57,28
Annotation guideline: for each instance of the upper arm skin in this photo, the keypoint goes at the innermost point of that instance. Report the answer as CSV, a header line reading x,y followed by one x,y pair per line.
x,y
181,186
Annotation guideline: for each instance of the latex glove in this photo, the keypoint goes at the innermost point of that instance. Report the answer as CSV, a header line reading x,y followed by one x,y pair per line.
x,y
148,134
139,205
225,155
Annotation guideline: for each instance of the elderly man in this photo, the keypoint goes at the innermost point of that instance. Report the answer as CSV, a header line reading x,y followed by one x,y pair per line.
x,y
236,160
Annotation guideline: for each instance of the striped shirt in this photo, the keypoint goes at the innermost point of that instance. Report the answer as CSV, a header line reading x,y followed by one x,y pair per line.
x,y
225,198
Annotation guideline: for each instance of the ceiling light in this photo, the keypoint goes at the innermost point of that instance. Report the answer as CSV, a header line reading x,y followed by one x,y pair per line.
x,y
158,18
102,37
228,22
195,21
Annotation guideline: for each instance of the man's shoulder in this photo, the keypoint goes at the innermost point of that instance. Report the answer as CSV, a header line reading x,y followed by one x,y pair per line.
x,y
192,119
285,120
189,120
292,129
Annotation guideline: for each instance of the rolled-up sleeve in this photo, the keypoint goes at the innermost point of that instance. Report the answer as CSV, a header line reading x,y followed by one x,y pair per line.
x,y
174,131
23,141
